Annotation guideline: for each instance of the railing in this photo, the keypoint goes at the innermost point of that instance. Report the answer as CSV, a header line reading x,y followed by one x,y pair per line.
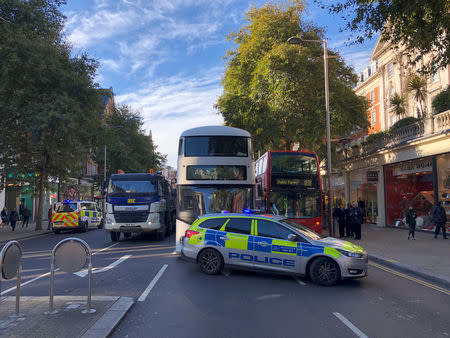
x,y
431,125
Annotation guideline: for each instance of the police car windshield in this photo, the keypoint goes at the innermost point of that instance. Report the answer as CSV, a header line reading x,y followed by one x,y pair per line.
x,y
302,229
66,207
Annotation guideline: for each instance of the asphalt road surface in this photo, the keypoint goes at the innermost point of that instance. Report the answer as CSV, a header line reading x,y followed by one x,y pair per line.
x,y
175,299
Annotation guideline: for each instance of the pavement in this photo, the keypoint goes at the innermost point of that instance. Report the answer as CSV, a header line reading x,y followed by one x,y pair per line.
x,y
424,257
67,319
6,233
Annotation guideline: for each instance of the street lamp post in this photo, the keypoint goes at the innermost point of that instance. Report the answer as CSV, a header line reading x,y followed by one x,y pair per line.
x,y
295,40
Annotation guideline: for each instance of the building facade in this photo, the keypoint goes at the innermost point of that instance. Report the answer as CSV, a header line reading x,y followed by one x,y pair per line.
x,y
390,167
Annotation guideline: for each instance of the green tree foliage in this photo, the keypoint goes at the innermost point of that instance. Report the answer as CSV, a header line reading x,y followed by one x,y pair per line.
x,y
418,87
276,90
398,101
441,101
49,105
127,146
421,26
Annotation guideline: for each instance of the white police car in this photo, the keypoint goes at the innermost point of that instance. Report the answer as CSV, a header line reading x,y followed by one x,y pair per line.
x,y
271,243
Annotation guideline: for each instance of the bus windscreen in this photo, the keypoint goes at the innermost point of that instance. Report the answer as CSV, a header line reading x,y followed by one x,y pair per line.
x,y
292,163
216,146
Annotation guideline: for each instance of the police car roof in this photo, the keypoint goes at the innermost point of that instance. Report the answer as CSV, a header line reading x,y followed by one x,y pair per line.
x,y
262,216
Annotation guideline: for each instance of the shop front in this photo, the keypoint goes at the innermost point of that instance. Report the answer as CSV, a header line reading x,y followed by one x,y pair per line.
x,y
443,177
408,184
363,189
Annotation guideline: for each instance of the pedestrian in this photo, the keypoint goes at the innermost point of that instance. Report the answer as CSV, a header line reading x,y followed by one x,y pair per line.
x,y
356,219
21,207
348,228
362,206
5,217
339,214
439,218
411,216
13,218
50,215
26,216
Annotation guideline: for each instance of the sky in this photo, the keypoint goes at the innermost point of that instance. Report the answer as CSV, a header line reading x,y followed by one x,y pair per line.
x,y
164,58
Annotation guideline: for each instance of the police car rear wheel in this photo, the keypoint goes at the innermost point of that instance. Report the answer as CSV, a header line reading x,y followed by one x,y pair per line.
x,y
211,261
324,271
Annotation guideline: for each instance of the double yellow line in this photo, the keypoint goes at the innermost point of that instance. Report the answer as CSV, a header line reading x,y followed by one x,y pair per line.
x,y
435,287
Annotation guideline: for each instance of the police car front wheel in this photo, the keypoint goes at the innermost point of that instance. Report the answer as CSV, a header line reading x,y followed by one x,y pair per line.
x,y
324,271
211,261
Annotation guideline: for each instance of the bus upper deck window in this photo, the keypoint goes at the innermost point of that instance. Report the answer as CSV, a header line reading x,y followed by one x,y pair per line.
x,y
180,147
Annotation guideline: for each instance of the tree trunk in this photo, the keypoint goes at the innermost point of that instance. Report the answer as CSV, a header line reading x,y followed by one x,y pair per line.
x,y
43,178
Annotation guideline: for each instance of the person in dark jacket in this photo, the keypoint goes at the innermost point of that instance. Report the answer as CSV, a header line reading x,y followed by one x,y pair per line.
x,y
356,218
13,218
411,216
339,214
5,217
50,215
26,216
348,228
439,218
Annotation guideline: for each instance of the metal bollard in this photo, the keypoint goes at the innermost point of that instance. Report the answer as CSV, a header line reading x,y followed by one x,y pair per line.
x,y
70,255
10,266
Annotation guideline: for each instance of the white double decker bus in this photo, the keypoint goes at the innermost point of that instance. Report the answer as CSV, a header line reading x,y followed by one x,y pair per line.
x,y
215,174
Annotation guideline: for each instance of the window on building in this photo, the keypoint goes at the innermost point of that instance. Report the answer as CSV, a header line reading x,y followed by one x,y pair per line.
x,y
435,77
372,96
390,68
373,117
393,119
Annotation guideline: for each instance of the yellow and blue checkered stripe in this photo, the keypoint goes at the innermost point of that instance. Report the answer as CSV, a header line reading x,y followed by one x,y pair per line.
x,y
90,213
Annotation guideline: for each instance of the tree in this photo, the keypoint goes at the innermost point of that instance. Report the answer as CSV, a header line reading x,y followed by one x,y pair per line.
x,y
276,90
418,86
128,148
48,100
398,101
441,101
421,26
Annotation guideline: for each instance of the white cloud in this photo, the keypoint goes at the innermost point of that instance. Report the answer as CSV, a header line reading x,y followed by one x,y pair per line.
x,y
172,105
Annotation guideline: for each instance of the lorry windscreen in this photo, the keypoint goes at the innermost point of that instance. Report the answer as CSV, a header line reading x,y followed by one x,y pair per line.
x,y
131,188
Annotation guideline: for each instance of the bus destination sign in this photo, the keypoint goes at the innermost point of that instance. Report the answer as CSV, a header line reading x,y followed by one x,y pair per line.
x,y
293,182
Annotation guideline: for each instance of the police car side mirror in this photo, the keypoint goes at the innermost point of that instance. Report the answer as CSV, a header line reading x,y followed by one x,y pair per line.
x,y
293,238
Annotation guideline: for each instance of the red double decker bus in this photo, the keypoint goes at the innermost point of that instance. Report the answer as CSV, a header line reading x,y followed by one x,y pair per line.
x,y
288,184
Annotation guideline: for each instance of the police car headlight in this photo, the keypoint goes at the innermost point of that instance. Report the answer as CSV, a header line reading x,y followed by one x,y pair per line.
x,y
350,253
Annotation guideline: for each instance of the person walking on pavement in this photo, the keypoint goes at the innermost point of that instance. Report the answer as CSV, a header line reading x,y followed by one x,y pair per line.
x,y
5,217
339,213
411,216
439,218
26,216
356,219
13,218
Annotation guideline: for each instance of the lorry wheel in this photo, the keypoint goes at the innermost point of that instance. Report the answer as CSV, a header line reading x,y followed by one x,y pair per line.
x,y
160,235
324,271
115,236
127,234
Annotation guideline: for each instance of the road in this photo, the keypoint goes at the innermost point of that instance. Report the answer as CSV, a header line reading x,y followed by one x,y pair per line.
x,y
175,299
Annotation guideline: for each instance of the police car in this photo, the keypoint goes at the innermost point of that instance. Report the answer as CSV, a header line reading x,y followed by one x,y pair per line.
x,y
76,215
269,242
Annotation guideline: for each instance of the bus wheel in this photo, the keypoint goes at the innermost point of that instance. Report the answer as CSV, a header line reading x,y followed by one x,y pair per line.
x,y
324,271
115,236
211,261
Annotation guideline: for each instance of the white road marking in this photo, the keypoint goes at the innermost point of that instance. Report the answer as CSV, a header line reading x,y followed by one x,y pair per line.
x,y
268,297
152,283
84,272
352,327
28,282
109,247
299,281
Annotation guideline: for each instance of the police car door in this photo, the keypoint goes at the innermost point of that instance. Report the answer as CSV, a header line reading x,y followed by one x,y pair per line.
x,y
272,248
235,241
